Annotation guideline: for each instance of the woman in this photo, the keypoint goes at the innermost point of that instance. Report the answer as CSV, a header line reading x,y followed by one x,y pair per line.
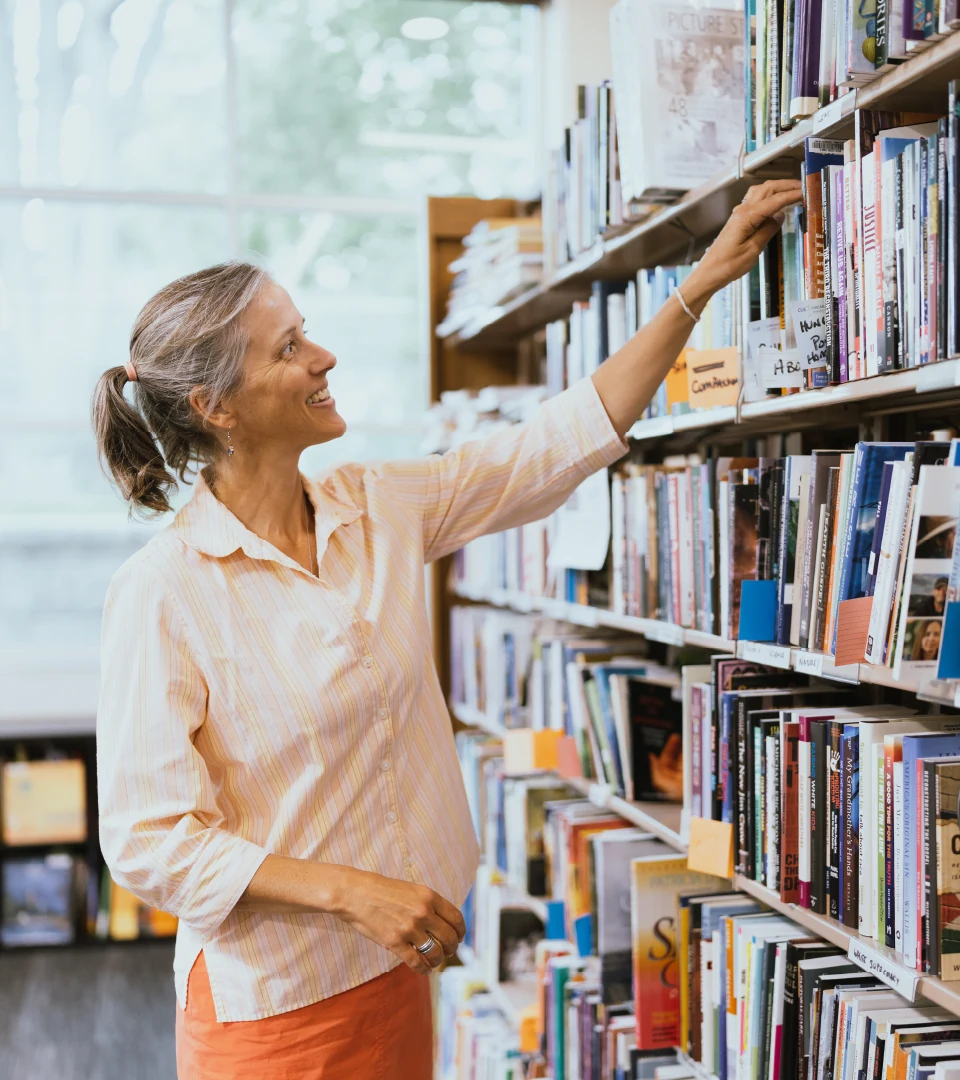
x,y
926,640
276,765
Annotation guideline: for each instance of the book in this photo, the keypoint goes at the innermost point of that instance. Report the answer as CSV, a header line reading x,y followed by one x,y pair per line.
x,y
655,881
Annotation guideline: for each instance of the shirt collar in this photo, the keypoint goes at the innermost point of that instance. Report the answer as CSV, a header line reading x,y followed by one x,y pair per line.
x,y
206,525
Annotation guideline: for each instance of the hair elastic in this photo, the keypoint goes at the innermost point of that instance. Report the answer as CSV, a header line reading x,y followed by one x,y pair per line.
x,y
131,370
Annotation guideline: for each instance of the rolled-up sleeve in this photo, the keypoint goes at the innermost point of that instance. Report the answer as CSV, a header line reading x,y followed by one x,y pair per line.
x,y
160,829
512,477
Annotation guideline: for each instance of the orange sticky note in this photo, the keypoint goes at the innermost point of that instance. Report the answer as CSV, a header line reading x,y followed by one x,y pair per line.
x,y
711,847
714,377
676,383
853,623
527,751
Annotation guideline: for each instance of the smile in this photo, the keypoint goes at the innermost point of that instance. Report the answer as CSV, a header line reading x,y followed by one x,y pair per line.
x,y
320,397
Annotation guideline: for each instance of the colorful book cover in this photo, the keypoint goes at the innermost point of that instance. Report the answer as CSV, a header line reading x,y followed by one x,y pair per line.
x,y
917,746
655,882
929,557
858,540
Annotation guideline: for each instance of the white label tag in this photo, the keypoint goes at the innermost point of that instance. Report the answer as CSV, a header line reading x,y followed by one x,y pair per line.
x,y
779,370
893,974
762,653
555,609
599,794
667,633
828,116
582,615
809,327
810,663
763,332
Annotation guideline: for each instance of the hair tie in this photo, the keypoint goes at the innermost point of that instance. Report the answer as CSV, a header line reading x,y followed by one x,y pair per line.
x,y
131,371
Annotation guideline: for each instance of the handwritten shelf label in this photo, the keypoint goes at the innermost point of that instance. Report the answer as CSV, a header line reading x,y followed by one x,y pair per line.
x,y
762,653
779,370
828,116
666,633
809,325
886,970
810,663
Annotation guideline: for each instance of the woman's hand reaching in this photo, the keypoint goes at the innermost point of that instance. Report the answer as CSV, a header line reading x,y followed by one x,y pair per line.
x,y
751,226
628,381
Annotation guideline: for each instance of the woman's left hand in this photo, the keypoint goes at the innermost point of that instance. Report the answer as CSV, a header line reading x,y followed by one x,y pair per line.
x,y
751,226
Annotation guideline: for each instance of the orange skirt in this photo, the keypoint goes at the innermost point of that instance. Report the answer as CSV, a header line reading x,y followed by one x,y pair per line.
x,y
380,1030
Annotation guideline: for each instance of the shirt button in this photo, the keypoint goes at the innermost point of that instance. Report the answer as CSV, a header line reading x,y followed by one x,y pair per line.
x,y
385,765
384,713
392,817
367,661
409,861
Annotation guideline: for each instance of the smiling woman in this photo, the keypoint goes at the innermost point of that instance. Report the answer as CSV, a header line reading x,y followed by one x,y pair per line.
x,y
274,749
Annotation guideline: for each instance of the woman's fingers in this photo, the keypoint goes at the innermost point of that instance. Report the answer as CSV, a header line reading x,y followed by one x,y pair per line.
x,y
771,187
414,960
451,915
759,211
444,934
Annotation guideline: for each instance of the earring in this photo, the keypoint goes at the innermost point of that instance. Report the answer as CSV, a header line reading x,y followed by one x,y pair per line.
x,y
229,444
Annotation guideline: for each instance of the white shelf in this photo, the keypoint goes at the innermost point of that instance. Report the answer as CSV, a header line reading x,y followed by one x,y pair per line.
x,y
474,718
661,819
864,951
806,661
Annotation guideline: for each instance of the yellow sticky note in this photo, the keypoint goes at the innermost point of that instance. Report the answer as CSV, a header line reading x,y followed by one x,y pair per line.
x,y
714,377
711,847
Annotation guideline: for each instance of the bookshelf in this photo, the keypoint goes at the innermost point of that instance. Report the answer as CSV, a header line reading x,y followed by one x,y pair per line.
x,y
872,409
820,665
919,84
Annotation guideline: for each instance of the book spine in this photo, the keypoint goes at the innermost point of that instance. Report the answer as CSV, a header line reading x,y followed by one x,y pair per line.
x,y
929,868
889,905
850,817
789,814
741,763
804,813
818,817
833,849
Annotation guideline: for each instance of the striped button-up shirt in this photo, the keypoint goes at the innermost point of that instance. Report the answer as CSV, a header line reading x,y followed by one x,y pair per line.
x,y
249,707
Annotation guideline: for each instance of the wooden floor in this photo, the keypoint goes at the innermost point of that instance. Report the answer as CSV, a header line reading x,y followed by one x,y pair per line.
x,y
88,1014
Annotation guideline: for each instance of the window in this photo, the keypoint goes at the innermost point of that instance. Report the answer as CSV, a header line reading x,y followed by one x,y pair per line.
x,y
142,139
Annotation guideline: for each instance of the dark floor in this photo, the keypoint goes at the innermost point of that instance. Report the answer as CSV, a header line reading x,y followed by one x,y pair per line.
x,y
88,1014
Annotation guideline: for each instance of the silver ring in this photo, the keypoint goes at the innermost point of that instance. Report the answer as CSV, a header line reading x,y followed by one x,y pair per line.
x,y
426,946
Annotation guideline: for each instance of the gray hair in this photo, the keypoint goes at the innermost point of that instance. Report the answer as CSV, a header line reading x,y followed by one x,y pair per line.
x,y
187,337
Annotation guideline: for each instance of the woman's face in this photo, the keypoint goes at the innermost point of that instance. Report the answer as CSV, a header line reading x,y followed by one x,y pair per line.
x,y
930,645
285,401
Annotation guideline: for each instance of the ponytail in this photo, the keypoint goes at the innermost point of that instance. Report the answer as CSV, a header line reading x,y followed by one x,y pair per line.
x,y
127,448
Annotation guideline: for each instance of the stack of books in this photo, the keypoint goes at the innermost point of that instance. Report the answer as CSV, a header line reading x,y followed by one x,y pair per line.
x,y
582,201
502,257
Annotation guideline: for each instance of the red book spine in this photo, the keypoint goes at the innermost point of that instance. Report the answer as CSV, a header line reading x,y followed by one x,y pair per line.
x,y
790,814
